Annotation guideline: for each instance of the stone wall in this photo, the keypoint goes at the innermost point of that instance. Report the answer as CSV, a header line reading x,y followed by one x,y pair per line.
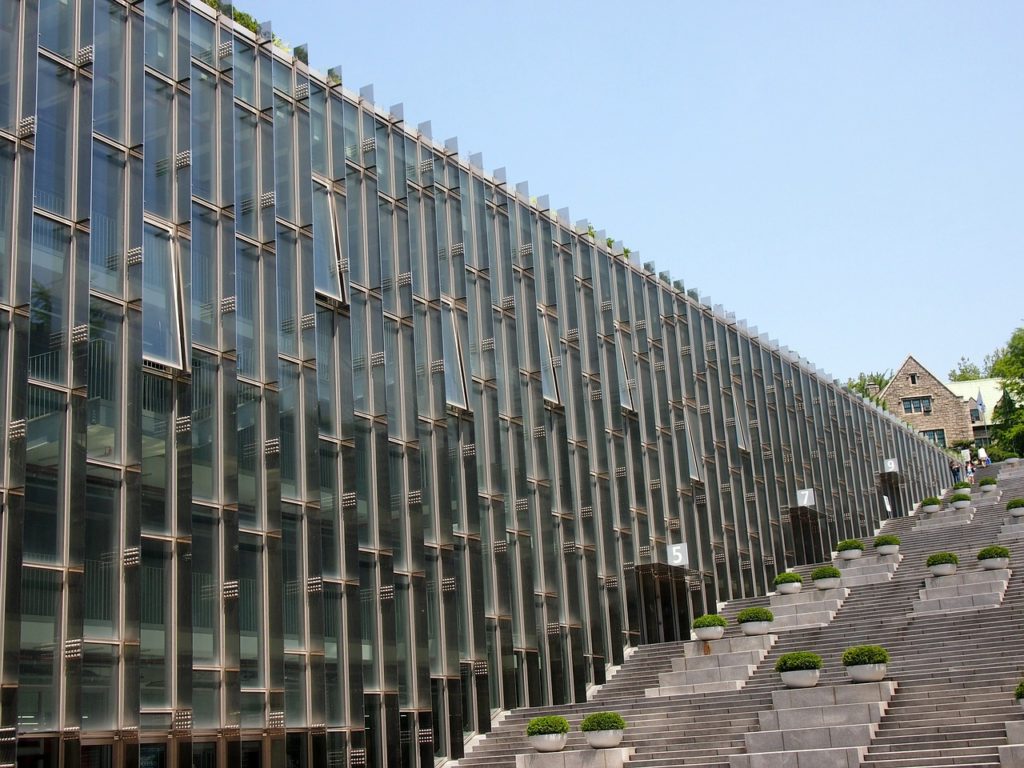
x,y
949,413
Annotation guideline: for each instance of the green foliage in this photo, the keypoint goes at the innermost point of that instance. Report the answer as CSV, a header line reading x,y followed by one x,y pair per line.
x,y
246,20
797,660
865,383
847,544
603,721
865,654
887,540
998,453
1009,411
610,242
789,578
709,620
931,501
754,613
942,558
961,445
826,572
1014,504
987,481
961,484
965,370
993,551
540,726
1018,692
960,497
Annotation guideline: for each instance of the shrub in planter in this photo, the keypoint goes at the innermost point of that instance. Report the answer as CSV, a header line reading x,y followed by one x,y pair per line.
x,y
850,549
788,583
603,729
942,563
799,669
1018,692
961,484
548,733
931,504
985,482
993,557
755,620
960,500
865,663
826,577
710,626
1015,507
887,544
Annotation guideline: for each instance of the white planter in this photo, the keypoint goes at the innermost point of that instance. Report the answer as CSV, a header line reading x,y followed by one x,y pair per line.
x,y
548,742
866,673
944,569
989,488
1017,512
850,554
961,504
930,508
705,634
888,549
831,583
789,588
603,739
994,563
801,678
755,627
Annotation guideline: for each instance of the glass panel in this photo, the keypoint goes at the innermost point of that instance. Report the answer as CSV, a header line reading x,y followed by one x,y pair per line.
x,y
250,610
159,144
157,447
155,624
204,426
454,386
326,254
99,686
206,590
294,581
327,373
289,418
159,42
10,55
51,246
246,178
44,499
104,434
106,241
6,208
205,713
294,690
249,442
247,314
284,158
334,656
161,331
39,657
245,84
57,26
54,138
205,142
287,304
205,268
102,579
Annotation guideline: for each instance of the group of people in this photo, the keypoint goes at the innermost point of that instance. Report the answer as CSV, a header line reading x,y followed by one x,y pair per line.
x,y
966,471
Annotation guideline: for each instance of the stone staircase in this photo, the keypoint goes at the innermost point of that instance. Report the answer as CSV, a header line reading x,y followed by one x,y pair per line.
x,y
954,670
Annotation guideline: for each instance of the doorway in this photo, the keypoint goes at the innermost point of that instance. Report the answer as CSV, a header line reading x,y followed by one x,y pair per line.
x,y
664,603
805,525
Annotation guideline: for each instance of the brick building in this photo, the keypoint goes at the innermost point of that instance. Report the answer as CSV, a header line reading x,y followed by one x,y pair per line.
x,y
919,397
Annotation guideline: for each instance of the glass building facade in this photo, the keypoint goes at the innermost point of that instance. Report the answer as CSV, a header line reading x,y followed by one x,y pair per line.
x,y
320,445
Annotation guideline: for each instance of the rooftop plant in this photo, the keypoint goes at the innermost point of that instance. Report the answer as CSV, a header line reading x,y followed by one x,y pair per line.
x,y
709,620
603,721
797,660
848,544
942,558
755,613
987,481
789,578
541,726
826,572
887,540
865,654
993,551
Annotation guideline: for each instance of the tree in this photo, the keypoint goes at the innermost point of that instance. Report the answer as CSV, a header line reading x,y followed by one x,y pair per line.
x,y
869,385
1009,412
991,360
965,370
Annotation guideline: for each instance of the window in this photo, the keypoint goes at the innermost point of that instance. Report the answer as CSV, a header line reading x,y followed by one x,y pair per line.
x,y
326,243
454,385
161,310
937,436
913,378
917,405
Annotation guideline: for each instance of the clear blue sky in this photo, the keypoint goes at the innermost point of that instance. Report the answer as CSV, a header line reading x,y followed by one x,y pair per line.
x,y
847,176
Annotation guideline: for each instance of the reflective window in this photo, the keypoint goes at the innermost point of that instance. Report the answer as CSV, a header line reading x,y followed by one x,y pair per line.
x,y
102,579
205,139
159,36
104,392
159,143
161,326
57,26
289,418
205,271
294,580
7,233
110,71
10,55
155,633
157,449
246,172
326,244
250,610
454,385
284,158
100,686
244,68
106,242
51,251
54,138
204,426
44,497
249,454
549,384
39,656
206,591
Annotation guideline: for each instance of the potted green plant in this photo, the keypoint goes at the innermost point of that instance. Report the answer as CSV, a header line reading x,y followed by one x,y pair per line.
x,y
1018,693
865,663
887,544
850,549
603,729
826,577
548,733
1015,507
987,484
710,626
960,500
963,485
755,620
799,669
994,557
788,583
942,563
931,504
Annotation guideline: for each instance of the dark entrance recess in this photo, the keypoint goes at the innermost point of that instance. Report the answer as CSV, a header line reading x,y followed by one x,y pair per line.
x,y
665,602
889,486
805,525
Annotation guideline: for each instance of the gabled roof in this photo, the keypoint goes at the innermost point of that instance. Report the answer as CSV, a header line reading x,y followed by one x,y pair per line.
x,y
924,368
